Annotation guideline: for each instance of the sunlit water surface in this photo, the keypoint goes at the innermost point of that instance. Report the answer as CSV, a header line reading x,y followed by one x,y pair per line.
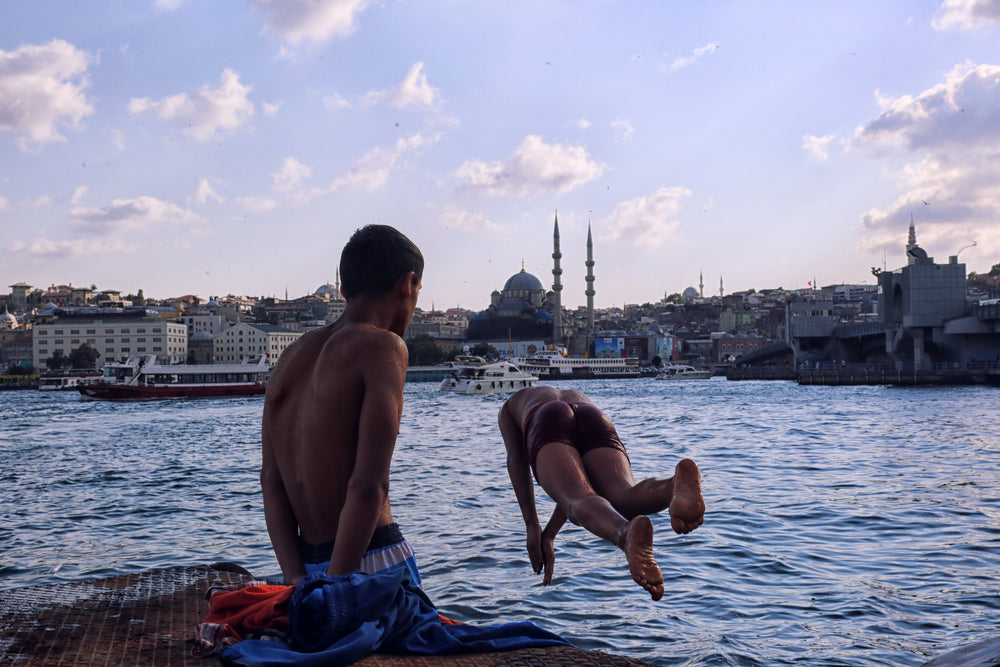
x,y
845,525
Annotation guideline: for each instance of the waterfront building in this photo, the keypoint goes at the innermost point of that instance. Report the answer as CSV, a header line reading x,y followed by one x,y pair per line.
x,y
916,302
246,340
116,333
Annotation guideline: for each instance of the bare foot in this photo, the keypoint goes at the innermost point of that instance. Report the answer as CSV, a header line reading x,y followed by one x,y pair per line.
x,y
639,551
687,509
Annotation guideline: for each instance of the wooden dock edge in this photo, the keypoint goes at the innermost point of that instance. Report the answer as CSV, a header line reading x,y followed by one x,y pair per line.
x,y
148,618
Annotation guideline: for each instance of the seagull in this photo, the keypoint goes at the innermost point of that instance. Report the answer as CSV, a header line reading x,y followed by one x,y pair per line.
x,y
926,203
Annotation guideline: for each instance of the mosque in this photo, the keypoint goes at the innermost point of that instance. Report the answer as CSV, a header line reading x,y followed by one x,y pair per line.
x,y
525,310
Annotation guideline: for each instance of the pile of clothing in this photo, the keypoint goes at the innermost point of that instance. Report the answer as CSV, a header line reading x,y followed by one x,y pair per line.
x,y
338,620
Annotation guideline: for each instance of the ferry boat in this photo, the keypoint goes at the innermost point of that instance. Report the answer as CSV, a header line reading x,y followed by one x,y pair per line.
x,y
141,378
682,372
474,375
554,364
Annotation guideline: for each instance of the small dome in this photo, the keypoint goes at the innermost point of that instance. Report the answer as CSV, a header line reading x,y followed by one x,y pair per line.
x,y
326,289
201,337
523,281
690,294
543,315
7,321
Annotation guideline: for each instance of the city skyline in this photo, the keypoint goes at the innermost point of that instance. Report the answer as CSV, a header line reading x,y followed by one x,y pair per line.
x,y
769,146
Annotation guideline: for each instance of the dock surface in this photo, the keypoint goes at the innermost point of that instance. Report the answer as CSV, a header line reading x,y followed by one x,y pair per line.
x,y
147,619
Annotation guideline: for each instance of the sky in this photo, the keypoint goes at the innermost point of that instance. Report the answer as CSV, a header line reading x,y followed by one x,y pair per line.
x,y
216,147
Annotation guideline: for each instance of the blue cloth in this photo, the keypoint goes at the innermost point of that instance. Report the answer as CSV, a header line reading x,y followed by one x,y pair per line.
x,y
340,620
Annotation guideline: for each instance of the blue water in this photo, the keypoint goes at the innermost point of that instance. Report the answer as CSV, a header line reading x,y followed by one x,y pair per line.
x,y
845,525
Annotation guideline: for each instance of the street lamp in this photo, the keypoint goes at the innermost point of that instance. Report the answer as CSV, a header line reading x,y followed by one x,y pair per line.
x,y
964,248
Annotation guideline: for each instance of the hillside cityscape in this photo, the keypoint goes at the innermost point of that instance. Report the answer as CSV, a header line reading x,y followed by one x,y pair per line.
x,y
922,314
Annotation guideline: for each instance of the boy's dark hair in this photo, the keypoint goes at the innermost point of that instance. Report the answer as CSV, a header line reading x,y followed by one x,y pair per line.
x,y
375,258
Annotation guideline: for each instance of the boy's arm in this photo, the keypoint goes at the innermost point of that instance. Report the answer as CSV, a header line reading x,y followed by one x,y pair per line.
x,y
520,478
384,374
282,525
556,521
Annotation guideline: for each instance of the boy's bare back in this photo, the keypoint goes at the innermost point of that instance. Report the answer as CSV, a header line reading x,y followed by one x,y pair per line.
x,y
332,408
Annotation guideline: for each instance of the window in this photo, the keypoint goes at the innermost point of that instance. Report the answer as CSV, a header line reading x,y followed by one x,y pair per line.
x,y
43,333
157,339
74,331
140,339
91,331
58,332
140,349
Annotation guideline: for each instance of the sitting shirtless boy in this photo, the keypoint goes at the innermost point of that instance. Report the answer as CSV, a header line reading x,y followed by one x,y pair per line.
x,y
577,457
331,415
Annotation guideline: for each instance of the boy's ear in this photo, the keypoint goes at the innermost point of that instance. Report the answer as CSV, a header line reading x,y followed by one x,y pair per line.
x,y
407,284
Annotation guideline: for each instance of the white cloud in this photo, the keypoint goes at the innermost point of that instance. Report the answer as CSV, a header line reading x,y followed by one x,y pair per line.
x,y
965,14
817,145
414,91
78,194
291,175
3,203
953,132
647,221
696,55
298,21
583,123
46,248
169,4
207,111
624,128
141,213
205,193
533,168
256,204
42,90
271,108
373,169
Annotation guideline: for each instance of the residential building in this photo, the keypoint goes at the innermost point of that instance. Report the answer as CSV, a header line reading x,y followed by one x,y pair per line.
x,y
116,333
246,340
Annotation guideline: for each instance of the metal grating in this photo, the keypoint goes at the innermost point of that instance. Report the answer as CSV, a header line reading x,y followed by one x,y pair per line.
x,y
147,619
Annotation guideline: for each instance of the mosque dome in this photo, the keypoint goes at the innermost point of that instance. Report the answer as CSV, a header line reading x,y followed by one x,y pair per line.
x,y
201,337
690,294
523,281
543,315
7,321
326,289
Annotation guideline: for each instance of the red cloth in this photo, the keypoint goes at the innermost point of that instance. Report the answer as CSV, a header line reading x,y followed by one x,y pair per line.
x,y
251,609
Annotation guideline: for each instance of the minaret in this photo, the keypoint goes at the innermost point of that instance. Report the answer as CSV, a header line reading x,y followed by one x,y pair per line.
x,y
701,285
590,282
911,243
556,285
722,292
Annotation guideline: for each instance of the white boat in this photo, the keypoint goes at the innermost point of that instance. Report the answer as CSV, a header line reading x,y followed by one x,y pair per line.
x,y
682,372
59,382
474,375
554,364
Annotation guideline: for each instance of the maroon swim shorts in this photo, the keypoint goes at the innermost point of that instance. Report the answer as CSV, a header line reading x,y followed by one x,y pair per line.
x,y
580,425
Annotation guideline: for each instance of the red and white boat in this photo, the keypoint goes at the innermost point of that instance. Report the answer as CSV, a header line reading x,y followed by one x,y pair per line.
x,y
141,378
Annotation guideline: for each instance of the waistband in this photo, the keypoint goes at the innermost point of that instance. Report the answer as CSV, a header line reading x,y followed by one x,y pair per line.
x,y
384,536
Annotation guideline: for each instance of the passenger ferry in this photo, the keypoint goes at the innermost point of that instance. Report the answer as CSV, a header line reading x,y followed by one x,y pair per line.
x,y
474,375
554,364
141,378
